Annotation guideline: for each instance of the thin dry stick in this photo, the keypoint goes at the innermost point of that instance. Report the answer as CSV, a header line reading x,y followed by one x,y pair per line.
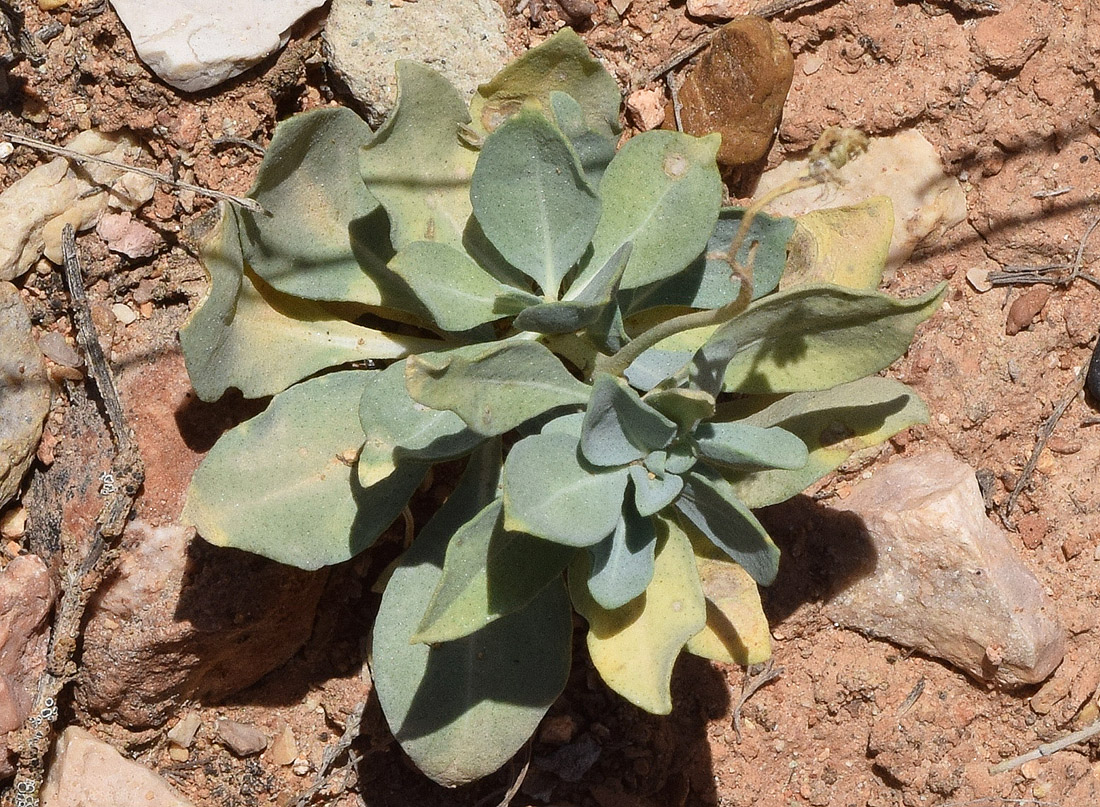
x,y
753,682
1045,432
80,574
249,204
511,792
1028,275
1046,749
352,728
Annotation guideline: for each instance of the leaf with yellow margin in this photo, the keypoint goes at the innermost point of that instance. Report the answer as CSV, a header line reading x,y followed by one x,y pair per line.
x,y
847,246
737,630
635,647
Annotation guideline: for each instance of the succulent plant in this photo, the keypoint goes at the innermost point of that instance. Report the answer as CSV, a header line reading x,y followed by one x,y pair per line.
x,y
626,367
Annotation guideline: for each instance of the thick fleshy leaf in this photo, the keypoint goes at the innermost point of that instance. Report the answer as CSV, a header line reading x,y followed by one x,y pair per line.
x,y
737,631
662,193
494,387
832,423
561,317
619,427
685,407
315,241
551,492
489,572
462,709
711,505
708,282
399,429
621,565
283,484
455,293
594,150
847,246
417,166
560,64
532,200
653,493
635,647
739,444
811,337
246,335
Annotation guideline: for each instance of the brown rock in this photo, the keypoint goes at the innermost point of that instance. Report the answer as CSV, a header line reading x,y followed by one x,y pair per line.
x,y
284,748
242,739
89,773
737,89
181,619
26,597
1025,309
24,392
646,108
1033,529
943,579
1005,41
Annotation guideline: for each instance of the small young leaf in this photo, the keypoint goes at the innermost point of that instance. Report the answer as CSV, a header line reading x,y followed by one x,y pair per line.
x,y
462,709
494,387
397,428
552,493
847,246
594,150
811,337
560,317
832,423
737,631
417,166
282,484
489,572
710,504
685,407
532,200
246,335
456,293
635,647
653,493
662,192
309,185
740,444
560,64
621,565
708,281
619,427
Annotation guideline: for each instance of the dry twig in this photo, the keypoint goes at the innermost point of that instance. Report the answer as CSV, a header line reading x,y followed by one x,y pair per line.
x,y
81,572
327,773
1046,749
249,204
754,679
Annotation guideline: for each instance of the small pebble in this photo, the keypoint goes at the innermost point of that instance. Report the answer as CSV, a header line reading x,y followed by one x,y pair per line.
x,y
284,748
13,523
811,64
240,738
183,733
58,350
1031,769
178,754
123,313
979,279
6,150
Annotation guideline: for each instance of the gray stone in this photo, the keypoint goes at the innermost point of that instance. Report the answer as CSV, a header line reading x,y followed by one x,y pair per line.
x,y
200,43
240,738
462,39
87,772
24,392
26,597
944,579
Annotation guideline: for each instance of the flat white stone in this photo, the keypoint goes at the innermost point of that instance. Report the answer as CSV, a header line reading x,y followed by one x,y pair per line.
x,y
196,44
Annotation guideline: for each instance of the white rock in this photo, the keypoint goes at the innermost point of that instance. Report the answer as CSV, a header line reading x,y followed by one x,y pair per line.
x,y
87,772
197,44
904,167
940,577
462,39
714,10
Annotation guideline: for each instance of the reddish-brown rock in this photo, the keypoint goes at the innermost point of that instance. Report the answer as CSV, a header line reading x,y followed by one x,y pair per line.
x,y
1005,41
943,578
26,597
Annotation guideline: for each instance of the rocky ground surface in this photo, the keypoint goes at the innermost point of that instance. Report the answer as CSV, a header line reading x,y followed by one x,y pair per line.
x,y
227,677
